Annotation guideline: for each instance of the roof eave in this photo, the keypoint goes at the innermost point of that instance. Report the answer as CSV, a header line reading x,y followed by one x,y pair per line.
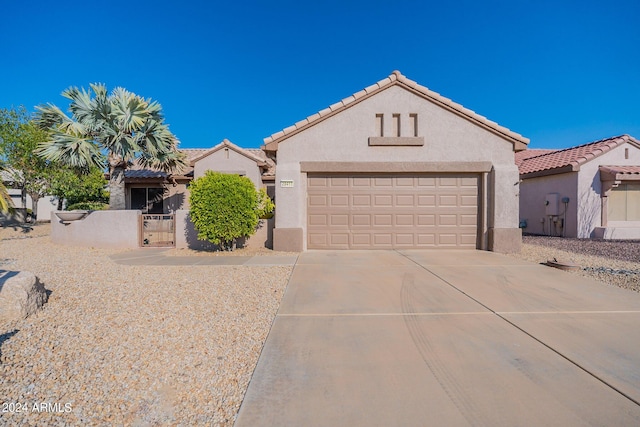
x,y
554,171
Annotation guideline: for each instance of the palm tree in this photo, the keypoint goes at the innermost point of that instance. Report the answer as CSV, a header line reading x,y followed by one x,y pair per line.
x,y
111,130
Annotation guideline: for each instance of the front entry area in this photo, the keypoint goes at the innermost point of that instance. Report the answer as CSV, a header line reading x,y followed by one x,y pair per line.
x,y
392,211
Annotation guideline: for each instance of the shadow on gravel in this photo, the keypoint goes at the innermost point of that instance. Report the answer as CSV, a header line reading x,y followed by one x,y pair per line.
x,y
4,337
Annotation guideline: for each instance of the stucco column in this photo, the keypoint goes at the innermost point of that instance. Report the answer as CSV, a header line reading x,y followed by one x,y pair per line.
x,y
503,218
288,234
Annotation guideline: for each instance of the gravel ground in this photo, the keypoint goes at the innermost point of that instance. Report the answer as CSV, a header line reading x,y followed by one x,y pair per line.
x,y
131,345
135,345
615,263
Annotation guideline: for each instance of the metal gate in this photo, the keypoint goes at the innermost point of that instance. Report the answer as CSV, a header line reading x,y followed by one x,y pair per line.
x,y
157,231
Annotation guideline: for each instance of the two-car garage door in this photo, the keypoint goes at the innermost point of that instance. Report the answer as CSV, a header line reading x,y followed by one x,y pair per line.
x,y
384,211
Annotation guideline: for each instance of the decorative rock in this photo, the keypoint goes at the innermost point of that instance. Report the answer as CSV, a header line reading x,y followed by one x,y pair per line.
x,y
21,295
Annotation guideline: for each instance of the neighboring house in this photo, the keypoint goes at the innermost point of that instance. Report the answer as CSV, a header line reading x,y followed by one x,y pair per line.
x,y
592,190
152,191
396,166
46,204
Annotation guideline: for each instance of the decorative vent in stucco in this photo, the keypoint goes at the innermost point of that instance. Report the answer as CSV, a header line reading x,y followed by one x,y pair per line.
x,y
400,127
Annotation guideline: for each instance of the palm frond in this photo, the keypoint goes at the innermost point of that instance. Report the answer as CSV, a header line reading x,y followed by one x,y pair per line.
x,y
130,110
173,161
71,150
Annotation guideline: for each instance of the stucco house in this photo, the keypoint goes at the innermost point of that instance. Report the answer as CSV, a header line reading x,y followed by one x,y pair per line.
x,y
396,165
152,191
588,191
46,204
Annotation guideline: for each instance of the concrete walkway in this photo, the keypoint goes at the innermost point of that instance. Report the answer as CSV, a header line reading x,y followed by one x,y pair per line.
x,y
455,338
157,256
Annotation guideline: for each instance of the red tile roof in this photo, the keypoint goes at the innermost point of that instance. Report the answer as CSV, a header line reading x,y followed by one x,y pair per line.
x,y
570,159
396,78
523,155
621,170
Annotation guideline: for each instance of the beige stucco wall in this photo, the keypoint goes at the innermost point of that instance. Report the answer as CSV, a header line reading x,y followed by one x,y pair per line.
x,y
533,194
583,188
447,138
228,160
99,229
187,235
590,186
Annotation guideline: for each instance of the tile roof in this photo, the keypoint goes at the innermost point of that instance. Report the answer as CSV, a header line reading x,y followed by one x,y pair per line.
x,y
523,155
622,171
396,78
144,174
570,159
228,144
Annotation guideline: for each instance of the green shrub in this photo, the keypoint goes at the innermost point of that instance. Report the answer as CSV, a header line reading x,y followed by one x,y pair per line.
x,y
265,205
225,207
88,206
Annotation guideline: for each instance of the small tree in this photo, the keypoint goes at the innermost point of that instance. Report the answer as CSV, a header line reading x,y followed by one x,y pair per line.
x,y
225,207
19,137
75,187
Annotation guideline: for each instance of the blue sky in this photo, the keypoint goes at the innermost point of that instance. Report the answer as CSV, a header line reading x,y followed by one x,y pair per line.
x,y
561,73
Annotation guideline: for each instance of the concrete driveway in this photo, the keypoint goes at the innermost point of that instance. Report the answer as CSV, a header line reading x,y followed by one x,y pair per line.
x,y
438,337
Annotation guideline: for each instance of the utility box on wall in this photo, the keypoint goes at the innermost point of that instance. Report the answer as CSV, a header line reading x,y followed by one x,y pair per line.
x,y
551,204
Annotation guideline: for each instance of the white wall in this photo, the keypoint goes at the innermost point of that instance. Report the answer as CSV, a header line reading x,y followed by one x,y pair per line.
x,y
46,204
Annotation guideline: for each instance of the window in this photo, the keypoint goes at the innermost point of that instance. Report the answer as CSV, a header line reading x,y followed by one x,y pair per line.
x,y
148,200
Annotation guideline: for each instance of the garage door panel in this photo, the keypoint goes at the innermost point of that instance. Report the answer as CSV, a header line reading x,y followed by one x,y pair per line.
x,y
448,219
466,219
383,200
426,220
361,220
318,220
361,240
340,182
382,239
468,239
318,200
317,181
339,239
338,220
405,239
318,240
361,182
339,200
405,182
383,181
361,200
405,220
383,220
405,200
470,200
387,211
